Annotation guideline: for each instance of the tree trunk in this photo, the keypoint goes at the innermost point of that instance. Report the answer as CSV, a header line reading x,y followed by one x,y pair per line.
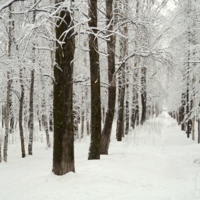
x,y
143,95
127,71
135,100
94,151
31,108
121,94
63,150
46,128
21,101
135,110
123,42
192,106
8,95
183,112
7,118
31,114
105,137
44,114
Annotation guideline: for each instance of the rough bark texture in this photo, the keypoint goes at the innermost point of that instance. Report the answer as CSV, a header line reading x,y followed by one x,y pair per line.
x,y
63,150
94,151
105,137
21,103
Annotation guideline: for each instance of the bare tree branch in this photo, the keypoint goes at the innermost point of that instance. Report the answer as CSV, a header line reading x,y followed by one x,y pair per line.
x,y
8,3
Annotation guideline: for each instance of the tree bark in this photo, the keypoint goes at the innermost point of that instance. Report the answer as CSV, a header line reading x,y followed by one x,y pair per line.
x,y
31,114
121,94
31,108
8,95
94,151
192,106
105,137
63,150
127,71
46,128
21,101
7,118
183,112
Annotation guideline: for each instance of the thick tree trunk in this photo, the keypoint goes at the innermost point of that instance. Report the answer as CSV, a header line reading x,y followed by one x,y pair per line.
x,y
21,102
63,150
105,138
94,151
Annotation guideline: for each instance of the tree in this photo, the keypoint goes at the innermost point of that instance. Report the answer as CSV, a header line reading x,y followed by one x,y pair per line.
x,y
31,99
94,151
8,95
63,150
105,137
21,102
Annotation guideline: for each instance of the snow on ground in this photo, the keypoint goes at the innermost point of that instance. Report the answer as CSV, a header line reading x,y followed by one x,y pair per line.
x,y
155,162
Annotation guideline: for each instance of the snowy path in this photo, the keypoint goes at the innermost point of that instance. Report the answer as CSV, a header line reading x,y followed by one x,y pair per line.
x,y
147,165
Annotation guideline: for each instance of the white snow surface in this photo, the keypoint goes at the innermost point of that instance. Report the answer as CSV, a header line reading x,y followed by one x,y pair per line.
x,y
154,162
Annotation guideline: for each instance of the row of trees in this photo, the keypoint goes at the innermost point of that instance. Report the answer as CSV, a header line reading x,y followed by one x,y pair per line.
x,y
185,46
57,54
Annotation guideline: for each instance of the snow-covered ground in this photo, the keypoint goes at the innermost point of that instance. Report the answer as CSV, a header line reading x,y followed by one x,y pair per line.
x,y
149,164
